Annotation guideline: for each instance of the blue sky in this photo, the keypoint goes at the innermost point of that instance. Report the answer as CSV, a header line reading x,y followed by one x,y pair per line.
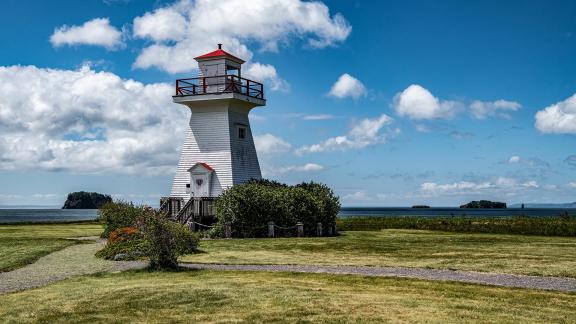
x,y
390,103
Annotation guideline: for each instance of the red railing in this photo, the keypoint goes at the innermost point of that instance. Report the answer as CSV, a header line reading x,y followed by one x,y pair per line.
x,y
219,84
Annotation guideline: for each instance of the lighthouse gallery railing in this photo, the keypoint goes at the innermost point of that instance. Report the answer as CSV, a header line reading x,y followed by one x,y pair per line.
x,y
219,84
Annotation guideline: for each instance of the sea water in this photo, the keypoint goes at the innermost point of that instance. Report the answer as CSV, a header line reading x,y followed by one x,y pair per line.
x,y
19,214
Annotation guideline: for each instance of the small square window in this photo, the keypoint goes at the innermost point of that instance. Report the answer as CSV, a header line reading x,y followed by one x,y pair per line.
x,y
187,185
241,132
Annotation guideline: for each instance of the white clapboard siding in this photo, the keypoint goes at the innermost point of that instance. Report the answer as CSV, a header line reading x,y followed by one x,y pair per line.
x,y
213,138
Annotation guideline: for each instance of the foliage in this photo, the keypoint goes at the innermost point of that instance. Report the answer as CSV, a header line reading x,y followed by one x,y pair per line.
x,y
118,214
139,231
552,226
484,204
249,207
167,240
86,200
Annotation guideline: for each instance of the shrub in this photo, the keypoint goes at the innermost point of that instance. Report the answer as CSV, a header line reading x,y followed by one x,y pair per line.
x,y
250,206
167,240
551,226
118,214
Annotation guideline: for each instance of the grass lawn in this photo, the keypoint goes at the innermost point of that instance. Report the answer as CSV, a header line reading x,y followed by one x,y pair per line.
x,y
517,254
212,296
24,244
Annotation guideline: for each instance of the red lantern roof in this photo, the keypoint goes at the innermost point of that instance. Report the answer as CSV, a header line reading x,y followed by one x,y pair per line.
x,y
219,53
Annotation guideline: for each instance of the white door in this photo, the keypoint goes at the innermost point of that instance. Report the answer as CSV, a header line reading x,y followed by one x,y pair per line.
x,y
200,185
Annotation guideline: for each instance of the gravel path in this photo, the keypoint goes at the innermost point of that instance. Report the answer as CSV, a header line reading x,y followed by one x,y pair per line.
x,y
72,261
506,280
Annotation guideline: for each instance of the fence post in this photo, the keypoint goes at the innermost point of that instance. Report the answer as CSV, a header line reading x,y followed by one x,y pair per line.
x,y
319,229
192,226
335,229
300,229
227,231
329,230
270,229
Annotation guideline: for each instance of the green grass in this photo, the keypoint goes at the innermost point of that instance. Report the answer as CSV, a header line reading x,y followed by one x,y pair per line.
x,y
24,244
517,254
211,296
549,226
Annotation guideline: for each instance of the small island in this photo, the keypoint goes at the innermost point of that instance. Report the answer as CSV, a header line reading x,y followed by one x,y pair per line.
x,y
86,200
484,204
420,206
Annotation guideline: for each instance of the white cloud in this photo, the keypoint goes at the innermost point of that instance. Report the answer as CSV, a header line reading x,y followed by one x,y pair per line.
x,y
357,196
364,133
87,122
318,117
189,28
559,118
502,185
308,167
498,108
268,144
514,159
265,73
416,102
347,86
572,184
96,32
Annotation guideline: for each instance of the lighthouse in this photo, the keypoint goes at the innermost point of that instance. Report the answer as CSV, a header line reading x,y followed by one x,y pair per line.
x,y
218,151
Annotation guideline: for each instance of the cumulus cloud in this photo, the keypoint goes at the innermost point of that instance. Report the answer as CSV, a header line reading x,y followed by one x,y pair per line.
x,y
416,102
266,73
364,133
189,28
268,144
559,118
97,32
347,86
498,108
514,159
87,122
572,184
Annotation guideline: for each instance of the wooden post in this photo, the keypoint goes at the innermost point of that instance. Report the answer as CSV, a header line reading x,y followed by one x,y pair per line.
x,y
300,229
335,230
319,229
192,226
270,229
227,231
329,231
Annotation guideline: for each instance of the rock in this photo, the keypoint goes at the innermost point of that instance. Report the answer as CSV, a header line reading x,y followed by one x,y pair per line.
x,y
86,200
120,256
484,204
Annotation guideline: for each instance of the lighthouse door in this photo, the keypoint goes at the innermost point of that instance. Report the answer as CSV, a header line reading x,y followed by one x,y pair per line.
x,y
200,185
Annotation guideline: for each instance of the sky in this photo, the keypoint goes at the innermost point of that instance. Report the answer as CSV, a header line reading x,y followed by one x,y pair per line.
x,y
391,103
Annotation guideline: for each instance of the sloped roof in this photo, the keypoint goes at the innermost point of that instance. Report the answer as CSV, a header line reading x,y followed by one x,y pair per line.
x,y
219,53
205,165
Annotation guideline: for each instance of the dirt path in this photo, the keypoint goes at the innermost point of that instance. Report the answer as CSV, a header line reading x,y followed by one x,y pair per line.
x,y
72,261
496,279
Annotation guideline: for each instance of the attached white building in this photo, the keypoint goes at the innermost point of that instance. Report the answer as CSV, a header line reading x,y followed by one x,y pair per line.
x,y
218,151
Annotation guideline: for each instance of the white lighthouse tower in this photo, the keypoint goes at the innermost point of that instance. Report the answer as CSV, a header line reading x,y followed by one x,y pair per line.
x,y
218,151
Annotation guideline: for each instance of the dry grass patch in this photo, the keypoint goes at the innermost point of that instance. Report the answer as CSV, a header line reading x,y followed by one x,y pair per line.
x,y
515,254
212,296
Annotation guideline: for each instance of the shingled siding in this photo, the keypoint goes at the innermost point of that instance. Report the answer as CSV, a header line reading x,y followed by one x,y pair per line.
x,y
244,158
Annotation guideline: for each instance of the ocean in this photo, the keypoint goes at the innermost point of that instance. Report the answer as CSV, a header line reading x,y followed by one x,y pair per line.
x,y
20,214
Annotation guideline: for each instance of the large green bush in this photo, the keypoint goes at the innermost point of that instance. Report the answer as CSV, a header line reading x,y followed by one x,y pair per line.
x,y
137,231
249,207
167,240
117,215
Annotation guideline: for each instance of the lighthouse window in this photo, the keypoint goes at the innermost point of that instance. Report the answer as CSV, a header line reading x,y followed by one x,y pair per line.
x,y
241,132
